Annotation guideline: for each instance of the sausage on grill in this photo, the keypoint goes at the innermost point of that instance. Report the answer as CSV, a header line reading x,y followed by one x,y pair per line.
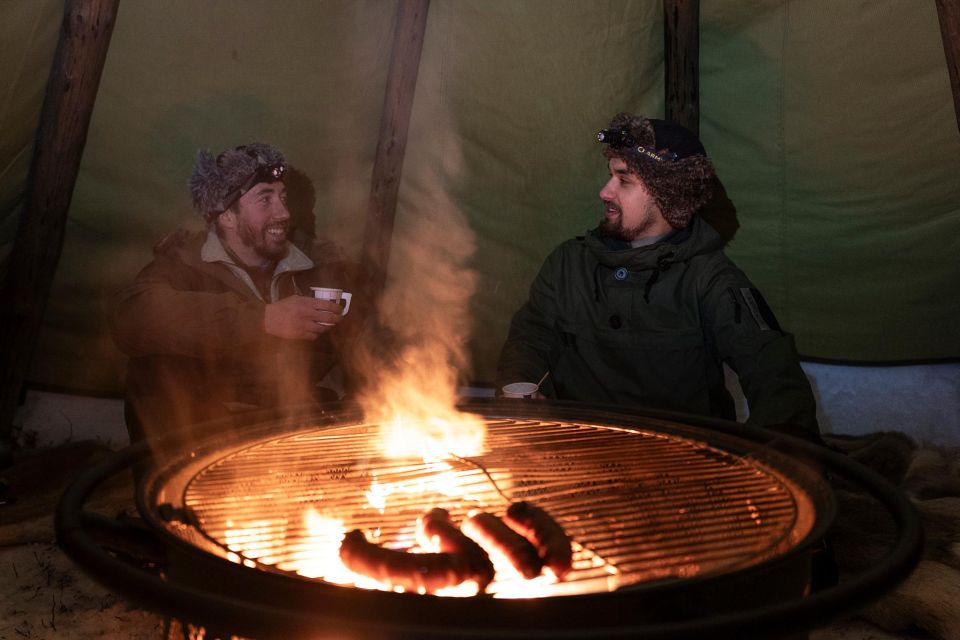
x,y
496,537
426,572
544,533
436,532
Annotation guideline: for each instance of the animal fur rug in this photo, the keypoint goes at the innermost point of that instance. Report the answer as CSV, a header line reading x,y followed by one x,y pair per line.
x,y
929,600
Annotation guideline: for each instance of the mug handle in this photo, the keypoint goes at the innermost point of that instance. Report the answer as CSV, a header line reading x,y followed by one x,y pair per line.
x,y
346,296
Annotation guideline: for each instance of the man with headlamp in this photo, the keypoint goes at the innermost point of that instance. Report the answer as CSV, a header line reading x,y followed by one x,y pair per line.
x,y
224,321
645,308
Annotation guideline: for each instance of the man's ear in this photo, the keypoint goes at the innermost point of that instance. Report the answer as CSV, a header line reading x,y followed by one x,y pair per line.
x,y
227,219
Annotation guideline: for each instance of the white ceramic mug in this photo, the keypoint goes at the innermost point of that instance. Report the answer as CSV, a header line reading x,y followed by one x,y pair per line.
x,y
520,389
334,295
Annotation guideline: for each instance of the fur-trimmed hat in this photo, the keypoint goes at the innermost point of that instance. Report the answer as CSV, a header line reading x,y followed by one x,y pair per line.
x,y
217,182
669,159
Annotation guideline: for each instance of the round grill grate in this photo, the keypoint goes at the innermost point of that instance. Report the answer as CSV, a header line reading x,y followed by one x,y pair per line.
x,y
640,505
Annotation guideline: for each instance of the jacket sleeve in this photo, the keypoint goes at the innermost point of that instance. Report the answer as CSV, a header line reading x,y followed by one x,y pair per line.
x,y
525,355
747,337
166,312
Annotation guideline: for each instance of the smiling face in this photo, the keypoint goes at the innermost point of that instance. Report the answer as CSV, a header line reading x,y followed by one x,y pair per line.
x,y
629,209
256,227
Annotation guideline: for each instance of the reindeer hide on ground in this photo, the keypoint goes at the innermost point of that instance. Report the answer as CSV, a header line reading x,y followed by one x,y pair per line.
x,y
930,598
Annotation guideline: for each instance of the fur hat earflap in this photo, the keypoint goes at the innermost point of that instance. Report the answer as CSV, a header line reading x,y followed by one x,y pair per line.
x,y
217,182
669,159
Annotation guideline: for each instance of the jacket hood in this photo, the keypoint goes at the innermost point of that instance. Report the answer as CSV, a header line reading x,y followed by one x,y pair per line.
x,y
699,237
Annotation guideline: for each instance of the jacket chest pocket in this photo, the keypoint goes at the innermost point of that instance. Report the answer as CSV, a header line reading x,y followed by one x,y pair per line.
x,y
622,324
615,333
648,340
667,370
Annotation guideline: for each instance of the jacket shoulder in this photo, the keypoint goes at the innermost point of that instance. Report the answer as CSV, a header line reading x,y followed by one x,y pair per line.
x,y
176,241
715,267
576,245
568,252
176,257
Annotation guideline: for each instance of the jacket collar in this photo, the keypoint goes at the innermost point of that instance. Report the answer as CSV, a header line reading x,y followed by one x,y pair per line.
x,y
697,238
214,251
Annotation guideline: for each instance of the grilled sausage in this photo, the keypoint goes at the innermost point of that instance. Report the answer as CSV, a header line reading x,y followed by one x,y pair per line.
x,y
426,572
545,533
496,537
436,532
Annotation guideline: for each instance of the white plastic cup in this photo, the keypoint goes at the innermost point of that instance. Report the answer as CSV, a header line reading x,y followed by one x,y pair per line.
x,y
334,295
520,389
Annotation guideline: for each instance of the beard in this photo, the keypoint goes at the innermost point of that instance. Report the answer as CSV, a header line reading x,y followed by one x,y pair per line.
x,y
260,241
614,229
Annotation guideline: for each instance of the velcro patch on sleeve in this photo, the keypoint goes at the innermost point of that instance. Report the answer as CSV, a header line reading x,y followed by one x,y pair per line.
x,y
759,309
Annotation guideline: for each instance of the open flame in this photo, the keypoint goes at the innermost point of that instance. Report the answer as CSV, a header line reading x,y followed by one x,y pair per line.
x,y
319,556
433,437
414,402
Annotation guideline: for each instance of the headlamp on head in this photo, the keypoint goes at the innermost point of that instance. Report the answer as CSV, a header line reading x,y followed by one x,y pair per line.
x,y
620,139
616,138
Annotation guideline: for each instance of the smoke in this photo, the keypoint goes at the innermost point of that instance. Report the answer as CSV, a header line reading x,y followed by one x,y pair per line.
x,y
413,364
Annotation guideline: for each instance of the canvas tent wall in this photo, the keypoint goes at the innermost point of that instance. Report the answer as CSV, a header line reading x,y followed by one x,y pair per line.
x,y
831,124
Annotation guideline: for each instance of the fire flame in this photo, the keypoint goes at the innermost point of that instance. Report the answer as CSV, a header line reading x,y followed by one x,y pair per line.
x,y
320,557
414,402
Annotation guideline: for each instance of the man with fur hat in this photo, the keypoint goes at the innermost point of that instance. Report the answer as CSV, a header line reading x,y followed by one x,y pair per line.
x,y
224,321
645,308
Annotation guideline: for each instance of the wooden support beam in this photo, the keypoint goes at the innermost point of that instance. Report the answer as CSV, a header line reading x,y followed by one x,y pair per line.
x,y
681,57
949,13
409,29
61,136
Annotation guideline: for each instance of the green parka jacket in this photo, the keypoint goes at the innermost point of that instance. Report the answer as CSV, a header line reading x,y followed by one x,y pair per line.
x,y
651,326
192,324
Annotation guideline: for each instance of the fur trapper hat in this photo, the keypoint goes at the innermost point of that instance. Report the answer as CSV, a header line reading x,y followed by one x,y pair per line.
x,y
669,159
217,182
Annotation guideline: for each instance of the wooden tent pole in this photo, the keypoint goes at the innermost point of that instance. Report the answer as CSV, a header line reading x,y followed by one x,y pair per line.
x,y
949,13
61,136
411,23
681,57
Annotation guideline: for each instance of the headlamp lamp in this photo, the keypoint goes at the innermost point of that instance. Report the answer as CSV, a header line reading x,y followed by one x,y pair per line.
x,y
616,138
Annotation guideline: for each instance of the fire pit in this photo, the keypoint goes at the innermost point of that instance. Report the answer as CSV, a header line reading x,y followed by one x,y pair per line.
x,y
677,529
